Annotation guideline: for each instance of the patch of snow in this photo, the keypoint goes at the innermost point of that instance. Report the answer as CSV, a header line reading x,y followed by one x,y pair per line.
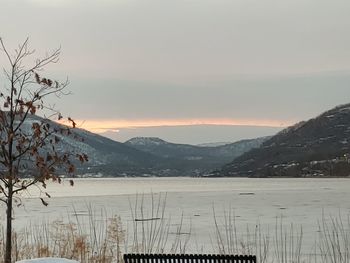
x,y
326,138
47,260
345,141
345,109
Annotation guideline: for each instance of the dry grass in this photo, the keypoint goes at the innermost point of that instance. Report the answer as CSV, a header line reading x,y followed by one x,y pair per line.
x,y
152,230
284,243
98,238
334,239
101,238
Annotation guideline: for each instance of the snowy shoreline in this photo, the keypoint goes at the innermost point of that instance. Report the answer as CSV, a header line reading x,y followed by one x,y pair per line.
x,y
47,260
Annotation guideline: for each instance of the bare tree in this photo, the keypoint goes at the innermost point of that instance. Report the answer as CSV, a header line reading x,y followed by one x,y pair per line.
x,y
29,153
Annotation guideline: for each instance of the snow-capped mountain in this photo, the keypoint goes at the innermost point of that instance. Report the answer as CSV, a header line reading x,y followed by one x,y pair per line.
x,y
105,156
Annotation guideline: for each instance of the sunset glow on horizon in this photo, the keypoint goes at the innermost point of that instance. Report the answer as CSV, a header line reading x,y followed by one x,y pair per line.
x,y
101,126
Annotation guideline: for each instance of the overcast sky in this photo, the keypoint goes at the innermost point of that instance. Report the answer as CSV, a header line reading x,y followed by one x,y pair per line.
x,y
147,64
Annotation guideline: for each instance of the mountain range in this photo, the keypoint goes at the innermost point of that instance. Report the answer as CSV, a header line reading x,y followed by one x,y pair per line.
x,y
318,147
142,156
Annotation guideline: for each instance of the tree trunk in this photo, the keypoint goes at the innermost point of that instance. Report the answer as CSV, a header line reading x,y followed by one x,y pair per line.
x,y
8,250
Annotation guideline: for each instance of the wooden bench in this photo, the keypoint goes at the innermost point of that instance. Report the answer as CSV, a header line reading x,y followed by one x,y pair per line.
x,y
188,258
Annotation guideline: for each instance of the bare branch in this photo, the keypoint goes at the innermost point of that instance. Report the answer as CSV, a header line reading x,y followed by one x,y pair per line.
x,y
22,52
6,52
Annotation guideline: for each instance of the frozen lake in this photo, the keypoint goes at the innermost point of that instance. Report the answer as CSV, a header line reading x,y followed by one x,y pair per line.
x,y
253,201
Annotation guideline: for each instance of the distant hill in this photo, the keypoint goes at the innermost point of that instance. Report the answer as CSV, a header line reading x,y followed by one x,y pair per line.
x,y
213,144
318,147
190,159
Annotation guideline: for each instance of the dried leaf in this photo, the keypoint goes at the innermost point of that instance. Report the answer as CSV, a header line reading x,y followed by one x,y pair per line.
x,y
44,202
71,168
72,121
37,78
32,110
48,157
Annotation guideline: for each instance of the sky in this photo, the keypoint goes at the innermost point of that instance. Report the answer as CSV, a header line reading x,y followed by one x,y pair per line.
x,y
189,71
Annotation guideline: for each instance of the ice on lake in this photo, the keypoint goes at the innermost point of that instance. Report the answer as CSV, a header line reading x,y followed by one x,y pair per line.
x,y
252,201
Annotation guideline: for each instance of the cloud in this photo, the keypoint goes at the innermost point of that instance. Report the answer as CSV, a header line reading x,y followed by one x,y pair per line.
x,y
56,3
52,3
101,126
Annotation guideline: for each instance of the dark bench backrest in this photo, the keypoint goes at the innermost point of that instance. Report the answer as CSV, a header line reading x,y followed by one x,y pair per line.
x,y
187,258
